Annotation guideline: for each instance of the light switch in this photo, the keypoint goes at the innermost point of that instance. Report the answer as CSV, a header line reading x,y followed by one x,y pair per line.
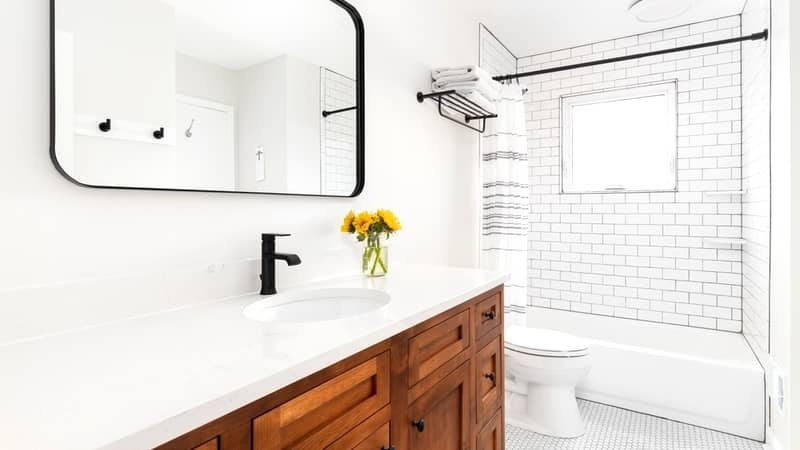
x,y
260,164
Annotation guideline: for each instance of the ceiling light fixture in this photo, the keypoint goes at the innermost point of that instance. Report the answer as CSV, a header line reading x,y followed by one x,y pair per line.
x,y
650,11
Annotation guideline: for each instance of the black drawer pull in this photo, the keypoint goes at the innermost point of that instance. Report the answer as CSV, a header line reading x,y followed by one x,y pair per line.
x,y
491,376
419,425
490,315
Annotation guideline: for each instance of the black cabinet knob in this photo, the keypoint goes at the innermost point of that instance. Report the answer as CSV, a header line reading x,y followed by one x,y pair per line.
x,y
159,134
491,376
490,315
419,425
105,127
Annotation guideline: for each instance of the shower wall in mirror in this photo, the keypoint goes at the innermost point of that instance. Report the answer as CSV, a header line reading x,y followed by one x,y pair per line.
x,y
213,95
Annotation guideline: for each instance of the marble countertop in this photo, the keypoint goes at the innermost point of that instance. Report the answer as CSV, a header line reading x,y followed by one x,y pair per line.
x,y
137,383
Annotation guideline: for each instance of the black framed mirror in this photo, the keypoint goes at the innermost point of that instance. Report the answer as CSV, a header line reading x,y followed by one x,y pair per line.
x,y
240,96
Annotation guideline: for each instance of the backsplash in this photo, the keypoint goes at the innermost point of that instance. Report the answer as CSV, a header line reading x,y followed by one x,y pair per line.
x,y
94,301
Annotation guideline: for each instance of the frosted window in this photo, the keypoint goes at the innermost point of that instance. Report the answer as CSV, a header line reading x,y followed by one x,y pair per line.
x,y
622,140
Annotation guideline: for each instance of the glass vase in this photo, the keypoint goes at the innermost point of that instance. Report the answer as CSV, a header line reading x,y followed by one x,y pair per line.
x,y
375,261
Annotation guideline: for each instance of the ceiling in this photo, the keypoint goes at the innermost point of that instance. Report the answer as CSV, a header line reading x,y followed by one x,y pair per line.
x,y
529,27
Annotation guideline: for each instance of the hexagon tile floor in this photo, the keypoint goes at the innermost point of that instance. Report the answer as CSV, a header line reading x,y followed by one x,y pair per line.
x,y
609,428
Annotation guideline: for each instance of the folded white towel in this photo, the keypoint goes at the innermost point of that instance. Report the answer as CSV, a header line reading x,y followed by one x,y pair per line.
x,y
466,73
487,87
472,76
451,71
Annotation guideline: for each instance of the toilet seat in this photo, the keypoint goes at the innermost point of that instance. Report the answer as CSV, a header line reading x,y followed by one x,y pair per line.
x,y
547,343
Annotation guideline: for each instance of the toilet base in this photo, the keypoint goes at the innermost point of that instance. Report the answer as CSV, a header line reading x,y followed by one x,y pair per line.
x,y
549,410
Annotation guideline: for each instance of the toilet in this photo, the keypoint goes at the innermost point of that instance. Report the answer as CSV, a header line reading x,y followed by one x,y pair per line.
x,y
542,369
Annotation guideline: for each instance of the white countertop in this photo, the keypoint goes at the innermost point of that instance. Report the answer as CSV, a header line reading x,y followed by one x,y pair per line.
x,y
137,383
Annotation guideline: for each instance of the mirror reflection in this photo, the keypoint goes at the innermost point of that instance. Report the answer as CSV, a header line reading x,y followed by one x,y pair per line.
x,y
217,95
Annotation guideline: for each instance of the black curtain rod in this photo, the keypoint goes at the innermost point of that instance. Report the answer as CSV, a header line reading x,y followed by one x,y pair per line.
x,y
753,37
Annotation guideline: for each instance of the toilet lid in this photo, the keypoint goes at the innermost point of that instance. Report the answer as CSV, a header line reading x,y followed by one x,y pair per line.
x,y
541,342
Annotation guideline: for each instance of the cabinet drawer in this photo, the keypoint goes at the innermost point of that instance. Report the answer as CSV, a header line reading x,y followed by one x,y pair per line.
x,y
210,445
491,436
322,415
373,434
435,346
488,314
489,379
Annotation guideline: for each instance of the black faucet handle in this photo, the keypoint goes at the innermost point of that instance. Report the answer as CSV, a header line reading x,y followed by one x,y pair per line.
x,y
273,235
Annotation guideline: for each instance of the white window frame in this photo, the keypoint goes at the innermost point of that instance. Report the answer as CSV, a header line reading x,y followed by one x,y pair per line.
x,y
570,101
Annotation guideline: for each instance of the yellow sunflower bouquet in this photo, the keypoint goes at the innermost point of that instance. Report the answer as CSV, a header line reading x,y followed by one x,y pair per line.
x,y
370,228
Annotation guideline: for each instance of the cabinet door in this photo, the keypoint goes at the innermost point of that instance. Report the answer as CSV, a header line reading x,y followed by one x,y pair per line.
x,y
489,379
373,434
440,418
321,416
491,437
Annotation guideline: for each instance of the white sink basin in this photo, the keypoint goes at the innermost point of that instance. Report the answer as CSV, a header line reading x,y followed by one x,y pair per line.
x,y
315,307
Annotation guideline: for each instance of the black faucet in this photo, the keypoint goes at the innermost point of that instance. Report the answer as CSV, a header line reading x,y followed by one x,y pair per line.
x,y
268,257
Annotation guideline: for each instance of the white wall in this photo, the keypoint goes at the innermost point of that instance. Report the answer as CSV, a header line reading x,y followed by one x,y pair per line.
x,y
201,79
54,232
262,120
123,82
122,86
784,432
793,91
303,123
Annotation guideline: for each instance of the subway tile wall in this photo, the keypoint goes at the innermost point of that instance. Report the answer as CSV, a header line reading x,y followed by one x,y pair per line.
x,y
756,179
338,134
644,256
495,58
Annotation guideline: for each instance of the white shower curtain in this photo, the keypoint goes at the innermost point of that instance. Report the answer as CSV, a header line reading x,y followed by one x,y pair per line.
x,y
504,240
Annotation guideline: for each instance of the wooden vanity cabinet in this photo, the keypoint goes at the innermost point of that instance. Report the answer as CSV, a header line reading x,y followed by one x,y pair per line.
x,y
210,445
491,436
435,386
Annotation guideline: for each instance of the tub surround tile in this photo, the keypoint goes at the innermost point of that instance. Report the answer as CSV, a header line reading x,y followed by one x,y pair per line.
x,y
646,238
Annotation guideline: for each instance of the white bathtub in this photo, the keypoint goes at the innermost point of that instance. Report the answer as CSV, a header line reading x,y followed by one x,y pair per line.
x,y
701,377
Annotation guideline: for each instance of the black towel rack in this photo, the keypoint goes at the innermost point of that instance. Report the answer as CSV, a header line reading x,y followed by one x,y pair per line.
x,y
460,104
337,111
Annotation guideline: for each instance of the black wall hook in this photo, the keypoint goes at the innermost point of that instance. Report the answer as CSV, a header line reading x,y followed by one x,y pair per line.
x,y
159,134
105,127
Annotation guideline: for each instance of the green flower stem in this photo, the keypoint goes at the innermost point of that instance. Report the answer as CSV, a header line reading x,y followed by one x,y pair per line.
x,y
365,258
383,266
377,258
375,252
